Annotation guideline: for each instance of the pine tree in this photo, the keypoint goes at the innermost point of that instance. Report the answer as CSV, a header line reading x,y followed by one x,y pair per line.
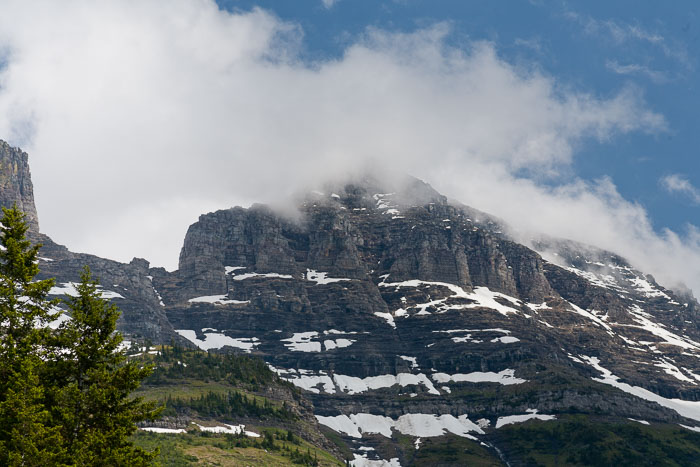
x,y
92,401
26,435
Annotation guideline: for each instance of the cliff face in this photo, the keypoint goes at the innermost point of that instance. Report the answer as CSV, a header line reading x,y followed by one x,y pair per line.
x,y
16,183
360,235
409,307
129,286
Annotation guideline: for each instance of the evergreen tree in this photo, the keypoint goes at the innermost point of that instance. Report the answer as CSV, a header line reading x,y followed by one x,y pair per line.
x,y
64,394
95,380
26,435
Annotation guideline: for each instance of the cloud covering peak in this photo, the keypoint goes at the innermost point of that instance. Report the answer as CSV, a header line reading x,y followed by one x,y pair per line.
x,y
139,116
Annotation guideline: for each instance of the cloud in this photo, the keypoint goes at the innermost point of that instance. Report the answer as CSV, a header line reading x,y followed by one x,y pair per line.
x,y
621,33
534,44
633,68
140,116
328,4
676,183
593,213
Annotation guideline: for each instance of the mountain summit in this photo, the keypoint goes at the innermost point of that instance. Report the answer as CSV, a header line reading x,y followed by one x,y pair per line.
x,y
412,321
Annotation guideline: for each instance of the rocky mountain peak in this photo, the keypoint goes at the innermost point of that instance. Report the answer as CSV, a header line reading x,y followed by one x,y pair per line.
x,y
402,314
16,183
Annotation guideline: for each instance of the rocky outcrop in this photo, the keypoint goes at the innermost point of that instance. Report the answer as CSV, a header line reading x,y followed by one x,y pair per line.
x,y
16,183
129,286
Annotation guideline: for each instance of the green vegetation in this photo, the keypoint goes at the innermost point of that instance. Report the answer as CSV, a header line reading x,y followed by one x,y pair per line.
x,y
224,387
211,385
583,440
175,363
65,392
453,450
231,404
275,447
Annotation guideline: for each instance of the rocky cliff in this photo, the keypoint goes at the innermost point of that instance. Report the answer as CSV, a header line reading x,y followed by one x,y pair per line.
x,y
16,183
407,314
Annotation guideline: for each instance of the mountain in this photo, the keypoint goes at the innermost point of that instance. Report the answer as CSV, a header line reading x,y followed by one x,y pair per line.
x,y
16,183
420,331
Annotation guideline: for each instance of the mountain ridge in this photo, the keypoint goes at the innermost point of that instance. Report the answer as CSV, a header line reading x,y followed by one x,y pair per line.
x,y
403,314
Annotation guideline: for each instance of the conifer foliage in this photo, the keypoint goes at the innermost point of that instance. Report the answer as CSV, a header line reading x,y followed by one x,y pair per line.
x,y
27,436
94,380
64,393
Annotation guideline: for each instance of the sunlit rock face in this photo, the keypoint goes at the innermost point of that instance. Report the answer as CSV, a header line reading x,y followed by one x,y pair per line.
x,y
16,183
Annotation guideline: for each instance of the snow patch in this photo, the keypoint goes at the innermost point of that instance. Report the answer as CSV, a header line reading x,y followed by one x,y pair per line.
x,y
604,281
482,296
415,424
215,340
301,342
590,316
251,275
644,287
70,288
362,461
673,370
643,422
531,415
412,360
354,385
644,322
154,429
330,344
228,429
388,317
688,409
321,277
506,339
216,300
60,317
505,377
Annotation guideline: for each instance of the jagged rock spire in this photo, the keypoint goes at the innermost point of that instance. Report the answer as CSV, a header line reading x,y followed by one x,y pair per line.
x,y
16,183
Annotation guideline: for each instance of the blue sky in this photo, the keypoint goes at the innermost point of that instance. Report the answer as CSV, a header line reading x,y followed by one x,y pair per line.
x,y
576,119
597,47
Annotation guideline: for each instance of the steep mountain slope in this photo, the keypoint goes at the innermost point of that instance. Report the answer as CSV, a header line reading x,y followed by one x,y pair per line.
x,y
403,315
418,328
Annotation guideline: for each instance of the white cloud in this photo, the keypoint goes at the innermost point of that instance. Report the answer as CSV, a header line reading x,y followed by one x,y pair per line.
x,y
139,116
676,183
621,33
618,31
534,44
592,213
328,4
633,68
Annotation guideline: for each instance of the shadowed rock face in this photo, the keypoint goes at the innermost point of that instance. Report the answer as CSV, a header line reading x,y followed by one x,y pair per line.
x,y
16,183
360,235
403,274
129,286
